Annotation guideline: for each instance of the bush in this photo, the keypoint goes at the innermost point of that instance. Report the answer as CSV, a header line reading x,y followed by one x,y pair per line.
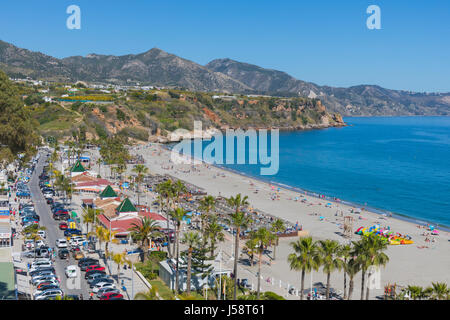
x,y
159,255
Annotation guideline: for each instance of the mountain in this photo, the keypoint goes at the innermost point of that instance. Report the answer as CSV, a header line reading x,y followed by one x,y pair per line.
x,y
156,67
363,100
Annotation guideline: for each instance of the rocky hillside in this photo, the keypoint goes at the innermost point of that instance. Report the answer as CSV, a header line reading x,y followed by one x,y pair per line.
x,y
156,67
363,100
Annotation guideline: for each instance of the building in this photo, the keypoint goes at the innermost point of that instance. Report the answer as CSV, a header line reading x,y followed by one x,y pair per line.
x,y
77,169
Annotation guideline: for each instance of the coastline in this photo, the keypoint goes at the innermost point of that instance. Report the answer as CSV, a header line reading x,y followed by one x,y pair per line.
x,y
377,211
419,263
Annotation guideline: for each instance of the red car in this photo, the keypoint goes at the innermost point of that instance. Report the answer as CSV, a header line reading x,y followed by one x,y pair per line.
x,y
63,226
95,267
109,295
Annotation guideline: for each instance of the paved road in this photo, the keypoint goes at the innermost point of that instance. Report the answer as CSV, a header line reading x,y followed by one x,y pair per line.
x,y
69,287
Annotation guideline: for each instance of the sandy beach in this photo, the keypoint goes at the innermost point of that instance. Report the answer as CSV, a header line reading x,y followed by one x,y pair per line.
x,y
417,264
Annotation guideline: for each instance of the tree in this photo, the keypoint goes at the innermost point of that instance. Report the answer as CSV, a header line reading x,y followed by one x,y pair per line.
x,y
119,259
369,252
191,239
18,134
144,232
152,294
178,215
166,190
344,253
440,291
90,216
238,220
262,238
329,259
305,258
214,232
351,268
141,171
207,204
277,226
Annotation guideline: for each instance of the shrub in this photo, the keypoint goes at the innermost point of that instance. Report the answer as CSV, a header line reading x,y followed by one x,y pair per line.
x,y
160,255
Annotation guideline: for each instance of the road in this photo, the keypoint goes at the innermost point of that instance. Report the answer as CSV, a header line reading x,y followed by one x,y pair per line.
x,y
69,287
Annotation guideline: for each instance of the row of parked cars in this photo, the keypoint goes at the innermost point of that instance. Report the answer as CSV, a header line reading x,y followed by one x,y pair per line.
x,y
44,280
100,283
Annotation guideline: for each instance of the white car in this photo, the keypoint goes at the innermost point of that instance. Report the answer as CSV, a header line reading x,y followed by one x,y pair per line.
x,y
41,264
103,285
61,243
42,234
40,279
51,293
71,271
39,243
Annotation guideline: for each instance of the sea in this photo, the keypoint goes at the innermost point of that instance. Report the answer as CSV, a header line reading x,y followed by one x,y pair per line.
x,y
396,165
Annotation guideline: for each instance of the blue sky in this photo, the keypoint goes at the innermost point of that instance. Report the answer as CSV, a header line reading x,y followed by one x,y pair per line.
x,y
322,41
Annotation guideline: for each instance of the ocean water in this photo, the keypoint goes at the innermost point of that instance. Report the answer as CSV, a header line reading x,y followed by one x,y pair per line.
x,y
397,164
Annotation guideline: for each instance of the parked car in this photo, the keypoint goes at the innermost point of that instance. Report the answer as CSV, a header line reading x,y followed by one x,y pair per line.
x,y
49,293
70,232
96,276
85,260
102,285
63,226
63,253
44,288
40,279
42,234
71,271
107,289
87,274
95,267
61,243
112,295
97,279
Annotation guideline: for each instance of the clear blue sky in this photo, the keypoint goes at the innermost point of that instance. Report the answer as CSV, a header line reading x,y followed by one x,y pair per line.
x,y
322,41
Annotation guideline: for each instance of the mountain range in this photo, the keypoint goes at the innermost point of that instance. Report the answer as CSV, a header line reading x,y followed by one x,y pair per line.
x,y
159,68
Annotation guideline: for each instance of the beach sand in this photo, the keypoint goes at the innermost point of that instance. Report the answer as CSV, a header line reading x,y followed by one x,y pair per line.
x,y
408,265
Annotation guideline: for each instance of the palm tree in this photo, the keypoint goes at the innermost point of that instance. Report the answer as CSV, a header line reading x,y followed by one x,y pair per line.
x,y
416,292
152,294
90,216
214,231
119,259
238,220
100,235
145,231
191,239
344,253
207,204
369,252
166,190
180,189
305,258
251,248
351,268
262,238
329,259
178,215
277,226
141,171
440,290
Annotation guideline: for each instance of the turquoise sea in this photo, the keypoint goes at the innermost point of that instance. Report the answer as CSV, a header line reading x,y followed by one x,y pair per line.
x,y
399,165
396,164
